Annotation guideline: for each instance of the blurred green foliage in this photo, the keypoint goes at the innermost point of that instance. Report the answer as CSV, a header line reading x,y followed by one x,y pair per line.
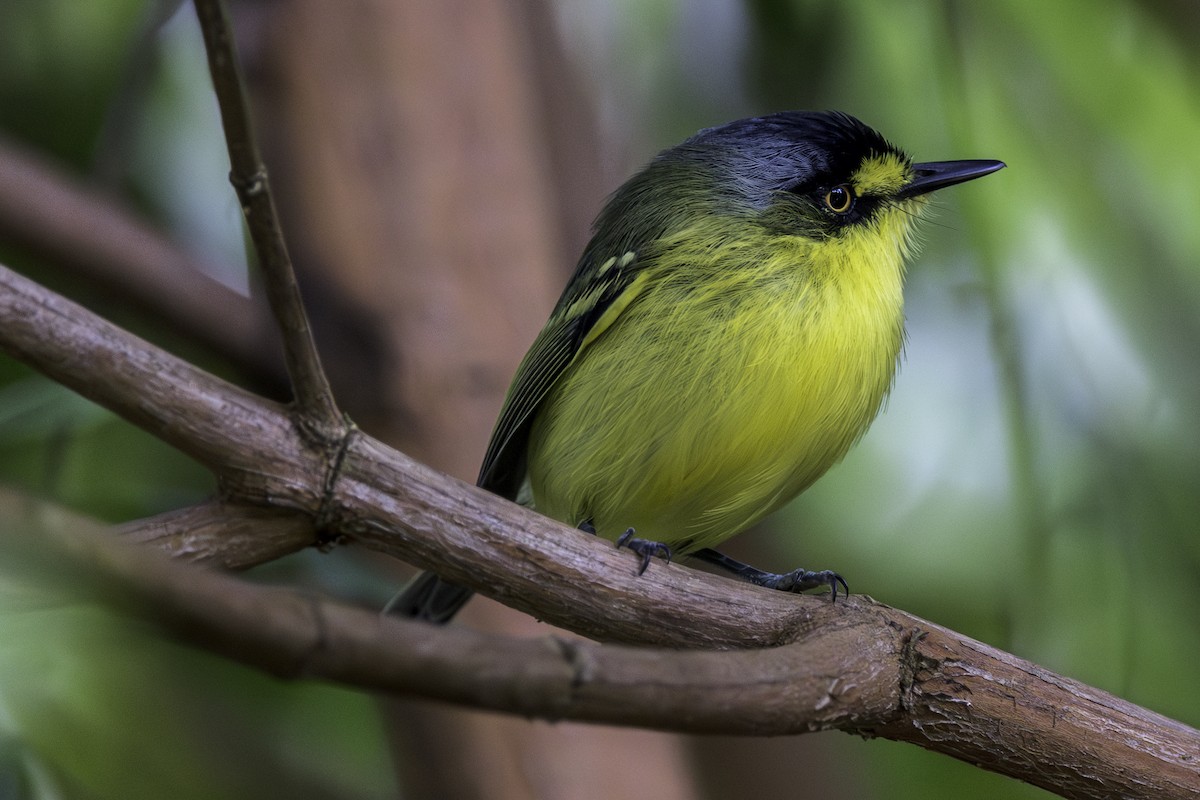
x,y
1033,483
93,705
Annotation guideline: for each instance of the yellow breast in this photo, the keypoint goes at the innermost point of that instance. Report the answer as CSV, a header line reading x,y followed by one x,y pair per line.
x,y
715,398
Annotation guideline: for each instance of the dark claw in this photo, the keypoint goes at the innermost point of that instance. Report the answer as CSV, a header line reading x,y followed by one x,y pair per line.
x,y
802,580
644,548
587,526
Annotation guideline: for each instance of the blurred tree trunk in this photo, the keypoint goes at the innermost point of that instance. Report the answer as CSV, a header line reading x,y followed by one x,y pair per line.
x,y
423,155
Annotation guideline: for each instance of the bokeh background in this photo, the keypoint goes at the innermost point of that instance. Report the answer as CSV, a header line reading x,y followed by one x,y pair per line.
x,y
1033,483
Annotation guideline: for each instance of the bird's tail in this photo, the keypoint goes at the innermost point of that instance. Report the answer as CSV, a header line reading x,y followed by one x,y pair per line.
x,y
429,598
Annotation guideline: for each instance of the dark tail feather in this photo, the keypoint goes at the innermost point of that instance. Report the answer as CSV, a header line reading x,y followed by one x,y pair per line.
x,y
429,598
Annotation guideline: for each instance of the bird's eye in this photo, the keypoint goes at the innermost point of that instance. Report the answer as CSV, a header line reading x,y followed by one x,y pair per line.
x,y
840,199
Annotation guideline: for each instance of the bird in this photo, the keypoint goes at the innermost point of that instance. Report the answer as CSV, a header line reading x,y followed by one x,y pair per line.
x,y
731,329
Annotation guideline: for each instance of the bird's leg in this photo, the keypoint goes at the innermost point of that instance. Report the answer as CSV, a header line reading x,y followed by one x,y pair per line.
x,y
798,580
644,548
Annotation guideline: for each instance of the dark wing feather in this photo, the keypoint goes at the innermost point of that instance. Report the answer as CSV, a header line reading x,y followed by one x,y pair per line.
x,y
579,310
503,468
579,317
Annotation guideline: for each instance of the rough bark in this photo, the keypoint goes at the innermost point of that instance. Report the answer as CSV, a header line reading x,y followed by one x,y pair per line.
x,y
758,661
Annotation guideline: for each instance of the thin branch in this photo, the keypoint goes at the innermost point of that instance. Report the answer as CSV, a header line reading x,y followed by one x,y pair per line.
x,y
317,411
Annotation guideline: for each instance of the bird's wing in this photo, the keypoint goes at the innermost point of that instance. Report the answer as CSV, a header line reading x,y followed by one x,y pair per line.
x,y
585,311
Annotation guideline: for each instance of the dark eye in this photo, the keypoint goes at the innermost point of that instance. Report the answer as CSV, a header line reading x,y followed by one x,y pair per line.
x,y
840,199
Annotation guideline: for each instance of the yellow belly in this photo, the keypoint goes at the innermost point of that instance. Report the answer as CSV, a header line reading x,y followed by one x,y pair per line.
x,y
702,410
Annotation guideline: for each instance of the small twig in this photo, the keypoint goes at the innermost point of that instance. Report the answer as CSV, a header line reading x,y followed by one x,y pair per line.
x,y
318,413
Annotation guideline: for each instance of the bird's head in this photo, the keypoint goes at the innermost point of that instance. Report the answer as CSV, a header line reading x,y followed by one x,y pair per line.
x,y
816,173
810,174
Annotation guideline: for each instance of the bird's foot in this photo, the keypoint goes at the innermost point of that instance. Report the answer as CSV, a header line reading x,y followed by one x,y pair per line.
x,y
801,580
645,548
798,580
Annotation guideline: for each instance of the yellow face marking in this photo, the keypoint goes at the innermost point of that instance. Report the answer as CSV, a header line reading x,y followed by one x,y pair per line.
x,y
881,175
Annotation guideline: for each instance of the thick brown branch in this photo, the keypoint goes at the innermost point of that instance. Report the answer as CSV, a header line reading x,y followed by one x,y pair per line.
x,y
317,410
381,499
1005,714
866,668
800,687
951,694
